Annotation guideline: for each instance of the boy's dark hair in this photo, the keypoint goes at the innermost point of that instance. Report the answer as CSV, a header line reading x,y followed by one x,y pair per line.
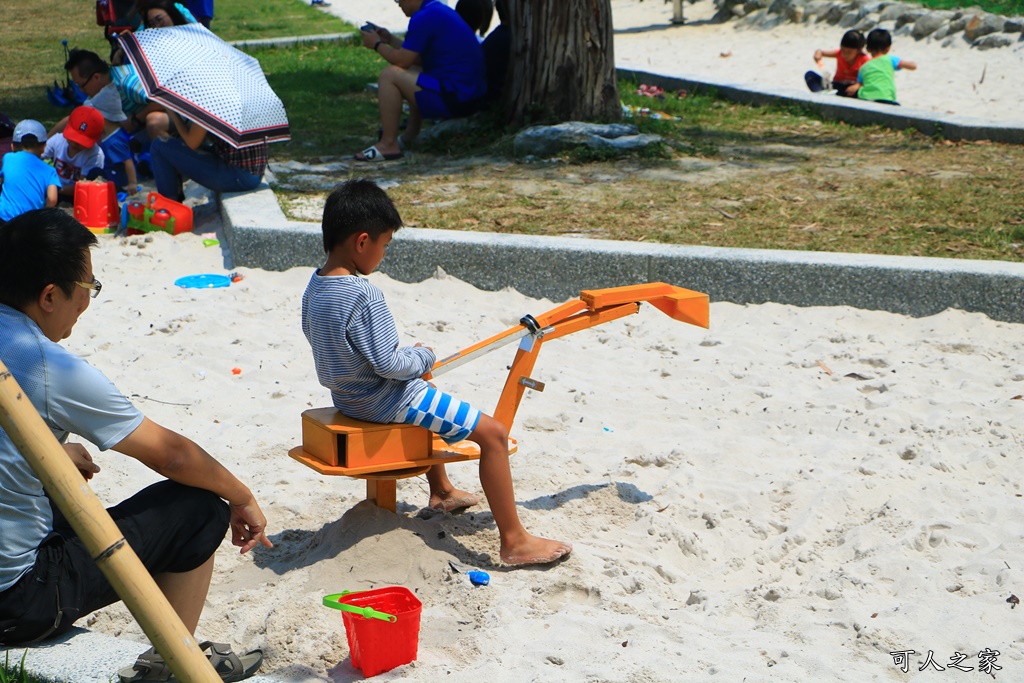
x,y
40,248
357,206
878,40
87,62
854,39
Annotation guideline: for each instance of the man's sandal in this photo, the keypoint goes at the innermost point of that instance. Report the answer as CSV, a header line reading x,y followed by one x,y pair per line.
x,y
150,666
374,154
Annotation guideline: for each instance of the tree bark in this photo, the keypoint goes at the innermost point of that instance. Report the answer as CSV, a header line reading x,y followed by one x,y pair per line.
x,y
562,62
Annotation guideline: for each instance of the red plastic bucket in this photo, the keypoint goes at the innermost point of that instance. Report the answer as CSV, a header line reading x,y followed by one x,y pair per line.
x,y
382,627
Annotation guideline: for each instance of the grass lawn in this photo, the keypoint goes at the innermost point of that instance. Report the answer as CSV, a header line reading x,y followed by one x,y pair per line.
x,y
727,174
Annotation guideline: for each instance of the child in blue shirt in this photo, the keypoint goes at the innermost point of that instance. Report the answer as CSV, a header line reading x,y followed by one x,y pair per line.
x,y
357,356
28,182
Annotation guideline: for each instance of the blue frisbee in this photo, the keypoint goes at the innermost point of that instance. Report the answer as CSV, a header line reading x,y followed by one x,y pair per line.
x,y
204,281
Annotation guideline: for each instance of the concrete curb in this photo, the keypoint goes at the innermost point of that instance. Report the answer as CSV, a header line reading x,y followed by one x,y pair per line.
x,y
557,268
846,109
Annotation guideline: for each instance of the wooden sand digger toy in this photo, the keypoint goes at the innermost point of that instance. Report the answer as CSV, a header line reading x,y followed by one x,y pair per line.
x,y
383,453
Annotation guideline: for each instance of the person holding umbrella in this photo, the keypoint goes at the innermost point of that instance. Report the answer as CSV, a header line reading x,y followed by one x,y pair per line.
x,y
220,103
217,165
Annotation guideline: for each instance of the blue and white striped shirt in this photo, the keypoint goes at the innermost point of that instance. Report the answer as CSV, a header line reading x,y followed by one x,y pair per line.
x,y
355,348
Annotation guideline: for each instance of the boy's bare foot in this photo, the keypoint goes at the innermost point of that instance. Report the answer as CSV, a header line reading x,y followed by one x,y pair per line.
x,y
453,500
535,551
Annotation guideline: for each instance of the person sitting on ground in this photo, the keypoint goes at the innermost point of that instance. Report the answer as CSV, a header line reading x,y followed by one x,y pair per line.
x,y
48,578
217,166
850,57
143,112
28,182
477,14
877,78
438,70
75,152
92,75
357,357
497,46
164,13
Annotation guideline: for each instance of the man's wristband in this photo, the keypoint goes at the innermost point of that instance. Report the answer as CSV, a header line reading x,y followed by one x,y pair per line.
x,y
377,44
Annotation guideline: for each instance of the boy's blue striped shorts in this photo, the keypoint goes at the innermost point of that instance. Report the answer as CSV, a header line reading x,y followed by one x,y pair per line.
x,y
453,420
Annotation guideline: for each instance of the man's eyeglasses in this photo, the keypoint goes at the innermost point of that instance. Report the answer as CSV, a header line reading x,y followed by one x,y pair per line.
x,y
96,286
84,79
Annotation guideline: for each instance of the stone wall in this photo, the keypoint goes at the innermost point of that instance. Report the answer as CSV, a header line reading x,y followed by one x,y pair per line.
x,y
975,26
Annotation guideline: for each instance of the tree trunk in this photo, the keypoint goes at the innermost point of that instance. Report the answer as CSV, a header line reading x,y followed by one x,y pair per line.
x,y
562,62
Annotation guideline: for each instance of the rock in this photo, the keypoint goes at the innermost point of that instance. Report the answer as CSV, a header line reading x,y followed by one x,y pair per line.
x,y
994,40
928,24
770,21
941,32
448,127
909,17
547,140
851,19
869,22
833,14
982,25
891,12
1014,26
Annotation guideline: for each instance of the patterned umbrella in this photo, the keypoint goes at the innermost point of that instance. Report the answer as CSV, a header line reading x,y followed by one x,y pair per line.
x,y
191,71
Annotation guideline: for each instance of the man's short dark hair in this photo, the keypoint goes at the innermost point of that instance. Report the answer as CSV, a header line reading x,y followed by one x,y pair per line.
x,y
87,62
357,206
878,40
40,248
854,39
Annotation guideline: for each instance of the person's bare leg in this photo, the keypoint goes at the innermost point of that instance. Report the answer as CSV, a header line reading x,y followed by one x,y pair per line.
x,y
186,591
158,125
394,86
518,546
443,494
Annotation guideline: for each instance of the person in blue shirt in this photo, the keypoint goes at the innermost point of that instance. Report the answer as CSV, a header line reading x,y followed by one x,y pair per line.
x,y
28,182
438,69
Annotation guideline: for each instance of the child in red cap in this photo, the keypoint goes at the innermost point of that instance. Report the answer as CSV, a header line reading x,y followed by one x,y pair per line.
x,y
74,152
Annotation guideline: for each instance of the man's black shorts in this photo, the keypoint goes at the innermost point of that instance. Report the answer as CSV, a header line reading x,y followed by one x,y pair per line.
x,y
171,527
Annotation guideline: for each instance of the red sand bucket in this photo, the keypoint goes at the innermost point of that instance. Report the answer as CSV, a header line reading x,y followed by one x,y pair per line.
x,y
382,626
96,206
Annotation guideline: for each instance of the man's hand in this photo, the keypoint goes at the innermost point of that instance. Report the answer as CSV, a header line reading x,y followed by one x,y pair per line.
x,y
248,525
81,459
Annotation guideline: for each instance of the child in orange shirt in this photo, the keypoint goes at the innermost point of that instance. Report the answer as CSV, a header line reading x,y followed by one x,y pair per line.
x,y
849,58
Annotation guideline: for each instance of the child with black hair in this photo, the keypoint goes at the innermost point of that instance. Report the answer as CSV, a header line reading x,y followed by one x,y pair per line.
x,y
877,78
357,357
850,57
28,182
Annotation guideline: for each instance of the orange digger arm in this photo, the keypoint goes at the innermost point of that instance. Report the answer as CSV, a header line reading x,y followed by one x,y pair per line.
x,y
594,307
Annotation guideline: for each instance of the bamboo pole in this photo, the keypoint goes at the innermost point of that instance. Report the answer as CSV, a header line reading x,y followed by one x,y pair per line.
x,y
106,544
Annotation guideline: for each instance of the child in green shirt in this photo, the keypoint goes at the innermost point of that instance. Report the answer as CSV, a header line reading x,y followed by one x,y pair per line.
x,y
876,80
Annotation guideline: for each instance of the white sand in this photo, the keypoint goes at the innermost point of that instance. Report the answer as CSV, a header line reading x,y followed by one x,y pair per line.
x,y
954,80
738,513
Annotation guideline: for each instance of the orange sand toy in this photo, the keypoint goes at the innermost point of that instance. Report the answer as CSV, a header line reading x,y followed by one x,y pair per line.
x,y
383,453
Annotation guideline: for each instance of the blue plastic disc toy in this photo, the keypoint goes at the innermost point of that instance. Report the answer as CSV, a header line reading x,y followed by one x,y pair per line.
x,y
205,281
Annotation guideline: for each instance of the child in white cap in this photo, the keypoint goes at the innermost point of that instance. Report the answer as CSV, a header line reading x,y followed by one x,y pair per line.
x,y
28,182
